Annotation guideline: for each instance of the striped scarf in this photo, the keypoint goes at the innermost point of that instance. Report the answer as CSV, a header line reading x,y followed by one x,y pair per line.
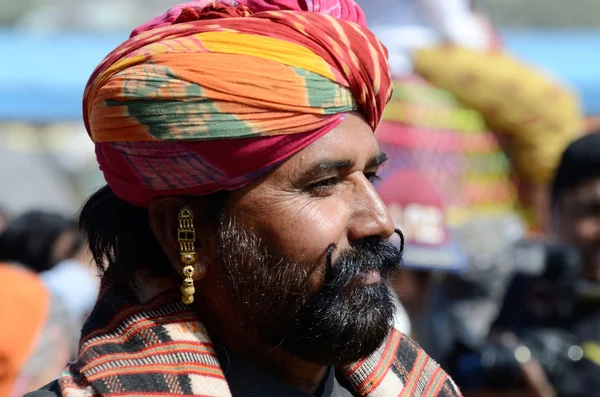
x,y
160,347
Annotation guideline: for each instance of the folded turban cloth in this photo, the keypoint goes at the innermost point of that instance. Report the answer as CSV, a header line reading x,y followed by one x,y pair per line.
x,y
209,96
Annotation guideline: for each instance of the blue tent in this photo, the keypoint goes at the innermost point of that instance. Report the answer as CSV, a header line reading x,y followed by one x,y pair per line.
x,y
42,78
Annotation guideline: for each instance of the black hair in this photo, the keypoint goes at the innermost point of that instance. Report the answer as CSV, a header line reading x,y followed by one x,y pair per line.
x,y
120,236
29,239
579,163
121,239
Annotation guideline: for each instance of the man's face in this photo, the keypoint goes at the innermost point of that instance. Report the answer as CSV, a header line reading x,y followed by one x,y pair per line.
x,y
579,224
302,255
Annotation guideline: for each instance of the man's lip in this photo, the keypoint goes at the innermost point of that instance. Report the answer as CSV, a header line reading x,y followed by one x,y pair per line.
x,y
370,277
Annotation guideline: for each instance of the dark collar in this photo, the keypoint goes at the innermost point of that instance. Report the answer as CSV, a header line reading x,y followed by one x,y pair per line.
x,y
246,379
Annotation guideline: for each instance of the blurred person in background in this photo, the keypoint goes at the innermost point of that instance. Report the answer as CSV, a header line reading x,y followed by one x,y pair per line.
x,y
247,251
51,245
576,202
576,221
405,26
3,219
39,240
36,333
545,340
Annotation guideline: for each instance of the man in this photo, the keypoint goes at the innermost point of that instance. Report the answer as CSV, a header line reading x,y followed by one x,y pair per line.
x,y
576,221
247,249
576,201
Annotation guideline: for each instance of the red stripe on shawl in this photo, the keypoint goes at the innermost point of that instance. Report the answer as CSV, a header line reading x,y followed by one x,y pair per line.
x,y
435,384
134,327
147,393
373,381
153,304
192,347
415,374
178,368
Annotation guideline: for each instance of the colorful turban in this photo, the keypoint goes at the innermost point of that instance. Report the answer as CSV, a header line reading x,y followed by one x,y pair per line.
x,y
209,96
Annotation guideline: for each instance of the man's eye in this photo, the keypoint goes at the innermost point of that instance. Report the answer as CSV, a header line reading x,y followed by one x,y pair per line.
x,y
324,184
373,177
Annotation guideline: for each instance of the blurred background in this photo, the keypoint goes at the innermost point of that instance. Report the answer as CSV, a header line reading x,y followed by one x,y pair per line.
x,y
469,204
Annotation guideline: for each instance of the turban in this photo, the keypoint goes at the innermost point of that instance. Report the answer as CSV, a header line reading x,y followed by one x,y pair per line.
x,y
209,96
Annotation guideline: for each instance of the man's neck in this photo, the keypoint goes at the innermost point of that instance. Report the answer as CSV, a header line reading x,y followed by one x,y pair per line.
x,y
292,370
306,376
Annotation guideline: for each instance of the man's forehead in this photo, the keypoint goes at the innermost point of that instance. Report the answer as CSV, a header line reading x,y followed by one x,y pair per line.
x,y
587,191
352,140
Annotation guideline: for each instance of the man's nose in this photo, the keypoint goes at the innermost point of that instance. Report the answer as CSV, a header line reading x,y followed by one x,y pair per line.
x,y
370,216
595,230
589,230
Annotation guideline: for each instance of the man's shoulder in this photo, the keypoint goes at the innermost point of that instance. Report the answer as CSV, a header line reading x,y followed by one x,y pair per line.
x,y
50,390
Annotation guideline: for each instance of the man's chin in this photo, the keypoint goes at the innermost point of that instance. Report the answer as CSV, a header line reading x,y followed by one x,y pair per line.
x,y
317,354
592,267
346,330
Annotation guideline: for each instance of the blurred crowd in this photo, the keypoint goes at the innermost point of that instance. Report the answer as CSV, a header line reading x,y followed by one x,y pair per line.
x,y
503,290
48,287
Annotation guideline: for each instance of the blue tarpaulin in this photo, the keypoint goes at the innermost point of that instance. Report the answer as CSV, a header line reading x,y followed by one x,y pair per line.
x,y
42,78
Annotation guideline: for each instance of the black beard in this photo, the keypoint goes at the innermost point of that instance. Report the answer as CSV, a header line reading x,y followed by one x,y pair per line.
x,y
339,324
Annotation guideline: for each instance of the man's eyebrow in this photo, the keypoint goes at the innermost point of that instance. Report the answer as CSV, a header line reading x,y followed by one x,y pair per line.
x,y
588,201
329,165
325,166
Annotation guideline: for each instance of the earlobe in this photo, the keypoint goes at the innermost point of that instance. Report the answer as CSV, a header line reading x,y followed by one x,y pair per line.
x,y
164,226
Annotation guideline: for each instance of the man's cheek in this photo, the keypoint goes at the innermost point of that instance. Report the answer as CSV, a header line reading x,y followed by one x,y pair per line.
x,y
309,231
595,261
583,233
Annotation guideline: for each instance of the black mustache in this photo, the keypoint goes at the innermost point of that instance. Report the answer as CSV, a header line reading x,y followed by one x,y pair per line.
x,y
380,255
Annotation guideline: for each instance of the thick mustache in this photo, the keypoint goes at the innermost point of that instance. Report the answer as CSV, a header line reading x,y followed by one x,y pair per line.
x,y
379,255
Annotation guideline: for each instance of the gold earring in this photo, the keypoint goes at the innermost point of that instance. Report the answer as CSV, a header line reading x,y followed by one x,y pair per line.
x,y
186,235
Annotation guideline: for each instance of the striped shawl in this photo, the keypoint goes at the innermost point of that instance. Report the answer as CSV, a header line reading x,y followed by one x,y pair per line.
x,y
160,347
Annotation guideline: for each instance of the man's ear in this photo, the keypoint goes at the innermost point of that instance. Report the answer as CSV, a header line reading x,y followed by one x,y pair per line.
x,y
163,217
